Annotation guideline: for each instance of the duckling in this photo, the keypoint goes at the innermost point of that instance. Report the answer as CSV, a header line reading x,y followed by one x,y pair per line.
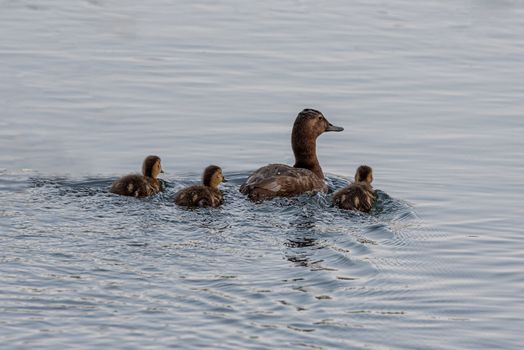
x,y
279,180
358,195
137,185
206,195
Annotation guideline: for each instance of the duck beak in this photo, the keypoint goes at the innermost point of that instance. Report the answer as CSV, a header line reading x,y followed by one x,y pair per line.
x,y
332,127
161,171
224,179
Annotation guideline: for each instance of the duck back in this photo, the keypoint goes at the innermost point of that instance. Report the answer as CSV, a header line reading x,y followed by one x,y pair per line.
x,y
357,196
135,185
280,180
199,196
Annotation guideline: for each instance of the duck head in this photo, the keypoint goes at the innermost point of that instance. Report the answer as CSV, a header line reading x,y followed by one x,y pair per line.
x,y
312,123
152,167
309,125
213,176
364,173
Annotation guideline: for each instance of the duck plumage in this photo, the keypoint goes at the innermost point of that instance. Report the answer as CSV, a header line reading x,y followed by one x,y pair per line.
x,y
199,196
280,180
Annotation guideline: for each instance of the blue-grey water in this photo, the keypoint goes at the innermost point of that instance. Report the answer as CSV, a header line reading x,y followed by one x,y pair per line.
x,y
430,94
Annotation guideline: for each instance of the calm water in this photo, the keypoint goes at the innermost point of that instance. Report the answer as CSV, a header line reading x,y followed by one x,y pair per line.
x,y
430,94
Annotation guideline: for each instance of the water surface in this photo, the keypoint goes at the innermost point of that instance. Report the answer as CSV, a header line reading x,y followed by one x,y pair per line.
x,y
430,95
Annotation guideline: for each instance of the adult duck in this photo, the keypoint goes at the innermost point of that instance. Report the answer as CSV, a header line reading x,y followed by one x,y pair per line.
x,y
280,180
144,185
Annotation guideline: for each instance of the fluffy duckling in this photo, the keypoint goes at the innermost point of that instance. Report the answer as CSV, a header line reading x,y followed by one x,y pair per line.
x,y
137,185
279,180
205,195
358,195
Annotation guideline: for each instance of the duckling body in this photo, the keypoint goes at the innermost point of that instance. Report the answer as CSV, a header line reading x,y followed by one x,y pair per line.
x,y
280,180
205,195
358,195
136,185
199,196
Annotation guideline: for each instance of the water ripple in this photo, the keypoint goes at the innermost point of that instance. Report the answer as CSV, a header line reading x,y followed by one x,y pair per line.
x,y
87,251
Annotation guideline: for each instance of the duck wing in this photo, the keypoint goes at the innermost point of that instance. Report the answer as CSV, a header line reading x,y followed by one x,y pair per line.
x,y
280,180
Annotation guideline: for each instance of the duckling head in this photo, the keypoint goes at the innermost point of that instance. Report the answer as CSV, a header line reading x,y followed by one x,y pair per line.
x,y
213,176
312,123
364,173
152,167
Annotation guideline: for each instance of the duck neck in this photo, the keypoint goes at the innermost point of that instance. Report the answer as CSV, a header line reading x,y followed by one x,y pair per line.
x,y
212,183
152,180
305,150
211,186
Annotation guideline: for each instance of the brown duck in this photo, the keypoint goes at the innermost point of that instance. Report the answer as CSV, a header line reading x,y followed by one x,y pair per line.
x,y
359,195
279,180
137,185
205,195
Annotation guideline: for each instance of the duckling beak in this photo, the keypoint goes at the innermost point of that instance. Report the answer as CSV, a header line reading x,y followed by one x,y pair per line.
x,y
224,179
161,171
332,127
